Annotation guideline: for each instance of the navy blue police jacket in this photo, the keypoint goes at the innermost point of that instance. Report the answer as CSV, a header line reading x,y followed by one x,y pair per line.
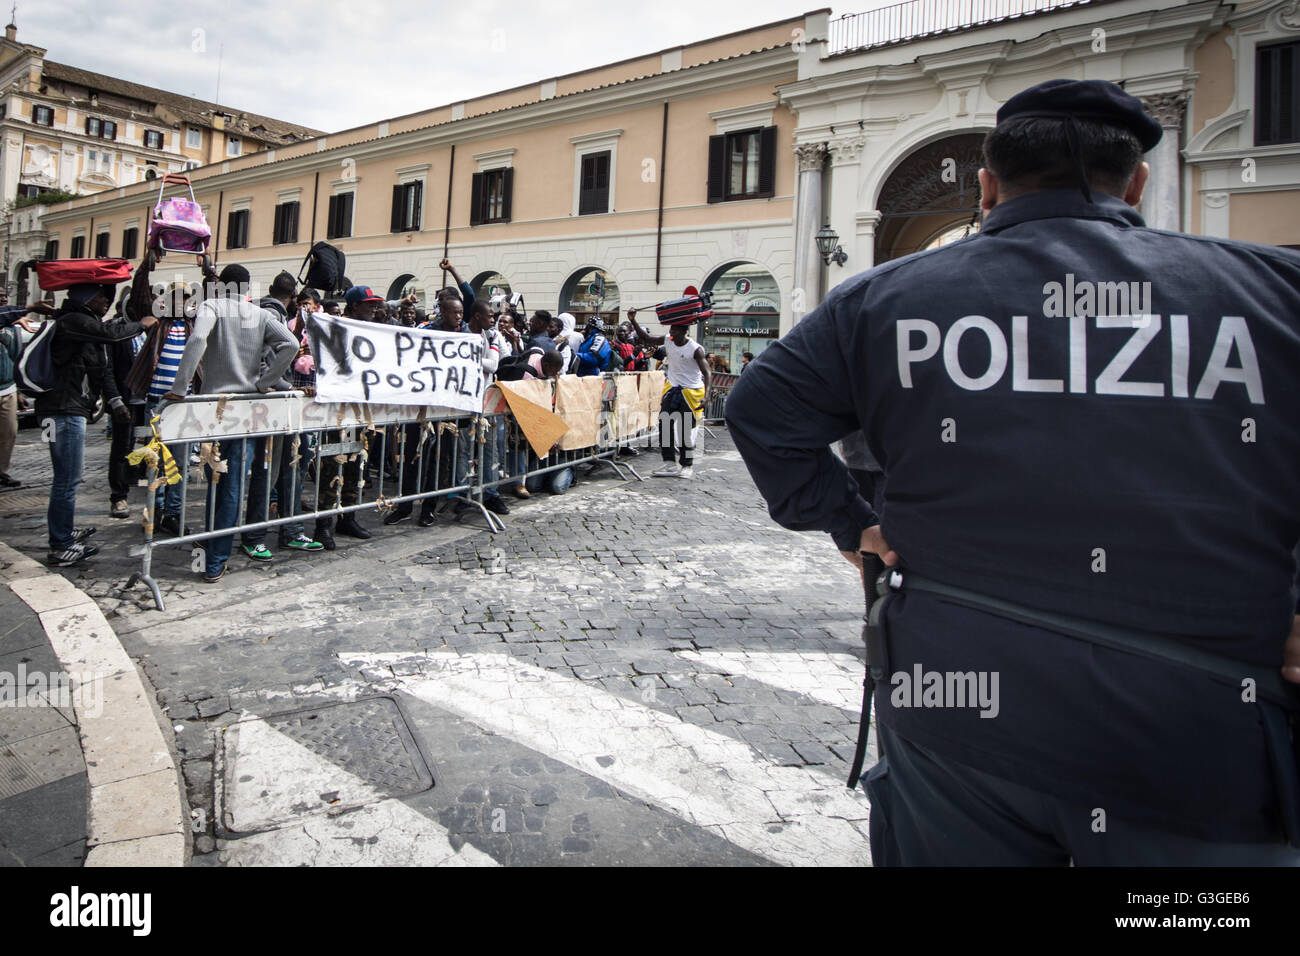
x,y
1082,415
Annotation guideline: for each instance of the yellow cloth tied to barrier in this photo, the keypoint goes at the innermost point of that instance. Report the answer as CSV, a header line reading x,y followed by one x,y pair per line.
x,y
154,452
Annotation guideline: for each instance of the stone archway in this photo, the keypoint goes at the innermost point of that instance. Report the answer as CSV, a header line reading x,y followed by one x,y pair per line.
x,y
590,291
397,288
932,191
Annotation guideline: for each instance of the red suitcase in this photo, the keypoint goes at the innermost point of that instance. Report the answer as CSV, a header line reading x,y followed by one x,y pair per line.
x,y
55,275
685,311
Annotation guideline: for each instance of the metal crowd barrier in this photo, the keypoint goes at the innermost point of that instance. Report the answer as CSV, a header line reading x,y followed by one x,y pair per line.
x,y
453,455
715,401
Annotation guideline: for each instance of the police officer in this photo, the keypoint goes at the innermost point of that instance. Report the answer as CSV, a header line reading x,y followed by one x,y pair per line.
x,y
1091,452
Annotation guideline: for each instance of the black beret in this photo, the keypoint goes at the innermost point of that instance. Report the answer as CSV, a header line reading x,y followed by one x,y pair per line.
x,y
1095,100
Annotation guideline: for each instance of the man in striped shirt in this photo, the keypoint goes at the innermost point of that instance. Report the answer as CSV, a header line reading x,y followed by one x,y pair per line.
x,y
152,376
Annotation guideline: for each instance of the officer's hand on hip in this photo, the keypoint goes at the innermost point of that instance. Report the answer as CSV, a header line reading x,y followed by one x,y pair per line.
x,y
1291,653
874,542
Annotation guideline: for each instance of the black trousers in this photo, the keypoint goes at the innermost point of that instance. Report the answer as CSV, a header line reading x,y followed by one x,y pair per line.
x,y
122,476
927,810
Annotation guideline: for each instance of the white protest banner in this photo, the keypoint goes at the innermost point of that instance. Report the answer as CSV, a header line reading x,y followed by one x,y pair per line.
x,y
387,364
216,417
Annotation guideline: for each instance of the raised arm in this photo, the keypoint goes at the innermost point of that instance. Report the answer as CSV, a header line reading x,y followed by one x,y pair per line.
x,y
642,334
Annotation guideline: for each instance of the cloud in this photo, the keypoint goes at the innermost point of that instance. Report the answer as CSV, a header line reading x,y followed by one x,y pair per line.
x,y
341,63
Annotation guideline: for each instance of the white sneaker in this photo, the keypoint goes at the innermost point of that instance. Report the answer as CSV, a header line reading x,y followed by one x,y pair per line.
x,y
669,469
687,472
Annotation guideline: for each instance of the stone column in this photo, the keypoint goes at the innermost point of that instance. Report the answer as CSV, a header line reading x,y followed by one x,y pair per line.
x,y
845,174
1162,205
807,220
867,222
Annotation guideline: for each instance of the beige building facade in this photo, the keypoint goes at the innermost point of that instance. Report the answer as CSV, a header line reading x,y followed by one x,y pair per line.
x,y
715,164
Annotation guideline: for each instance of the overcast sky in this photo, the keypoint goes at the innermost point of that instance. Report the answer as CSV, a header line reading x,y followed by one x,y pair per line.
x,y
334,64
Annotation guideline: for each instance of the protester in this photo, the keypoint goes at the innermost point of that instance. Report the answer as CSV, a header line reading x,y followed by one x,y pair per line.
x,y
688,382
361,304
244,350
81,371
273,456
539,331
593,353
10,348
631,352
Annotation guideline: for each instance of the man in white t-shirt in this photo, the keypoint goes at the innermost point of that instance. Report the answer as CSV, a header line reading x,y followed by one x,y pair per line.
x,y
687,383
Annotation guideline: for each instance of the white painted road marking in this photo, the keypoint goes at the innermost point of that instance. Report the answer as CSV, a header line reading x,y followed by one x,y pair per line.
x,y
790,815
280,770
834,679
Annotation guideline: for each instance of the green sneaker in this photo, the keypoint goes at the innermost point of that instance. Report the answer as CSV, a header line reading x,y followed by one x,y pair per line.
x,y
259,553
304,543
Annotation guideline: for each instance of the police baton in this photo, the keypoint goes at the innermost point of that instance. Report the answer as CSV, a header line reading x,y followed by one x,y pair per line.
x,y
872,568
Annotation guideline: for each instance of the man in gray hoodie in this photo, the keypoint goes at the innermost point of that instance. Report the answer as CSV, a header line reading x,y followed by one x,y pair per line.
x,y
245,349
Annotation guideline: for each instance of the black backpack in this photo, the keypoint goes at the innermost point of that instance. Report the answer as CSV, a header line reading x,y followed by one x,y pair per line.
x,y
34,372
325,265
513,368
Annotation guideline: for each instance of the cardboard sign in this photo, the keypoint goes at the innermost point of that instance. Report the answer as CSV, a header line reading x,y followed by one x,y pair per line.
x,y
387,364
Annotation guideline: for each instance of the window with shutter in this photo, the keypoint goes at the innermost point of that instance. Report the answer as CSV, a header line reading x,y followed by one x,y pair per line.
x,y
52,249
153,140
237,229
129,240
109,130
593,196
286,223
78,247
1277,94
92,126
43,115
476,199
101,246
406,206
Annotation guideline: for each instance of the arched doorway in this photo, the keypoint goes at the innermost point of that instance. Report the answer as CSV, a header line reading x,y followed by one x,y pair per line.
x,y
401,287
488,285
22,281
929,195
746,311
591,291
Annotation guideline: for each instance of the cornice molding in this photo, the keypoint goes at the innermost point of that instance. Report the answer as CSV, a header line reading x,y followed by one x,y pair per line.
x,y
748,70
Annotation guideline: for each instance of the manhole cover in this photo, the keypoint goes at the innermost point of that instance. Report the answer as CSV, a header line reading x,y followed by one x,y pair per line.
x,y
275,770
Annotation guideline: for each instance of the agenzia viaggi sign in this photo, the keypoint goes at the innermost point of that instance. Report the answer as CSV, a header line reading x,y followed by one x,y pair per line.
x,y
387,364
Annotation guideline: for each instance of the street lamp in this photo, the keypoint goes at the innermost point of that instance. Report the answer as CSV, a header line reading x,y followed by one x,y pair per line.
x,y
828,244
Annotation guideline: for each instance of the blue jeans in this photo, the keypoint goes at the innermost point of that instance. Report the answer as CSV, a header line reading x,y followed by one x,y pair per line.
x,y
225,500
556,482
261,480
467,445
67,455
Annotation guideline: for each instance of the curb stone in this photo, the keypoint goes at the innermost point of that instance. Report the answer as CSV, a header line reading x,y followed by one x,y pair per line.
x,y
135,810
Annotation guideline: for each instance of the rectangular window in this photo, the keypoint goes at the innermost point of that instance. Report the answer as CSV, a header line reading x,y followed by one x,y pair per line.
x,y
52,249
78,247
92,126
407,199
153,139
110,130
101,246
339,225
43,115
193,138
1277,94
286,223
129,239
237,229
742,165
490,196
232,146
593,190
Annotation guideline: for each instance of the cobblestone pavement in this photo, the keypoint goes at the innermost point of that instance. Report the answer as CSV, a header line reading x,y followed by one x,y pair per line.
x,y
632,673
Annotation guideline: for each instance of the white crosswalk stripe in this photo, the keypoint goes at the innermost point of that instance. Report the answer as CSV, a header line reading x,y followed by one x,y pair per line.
x,y
834,679
790,815
271,779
